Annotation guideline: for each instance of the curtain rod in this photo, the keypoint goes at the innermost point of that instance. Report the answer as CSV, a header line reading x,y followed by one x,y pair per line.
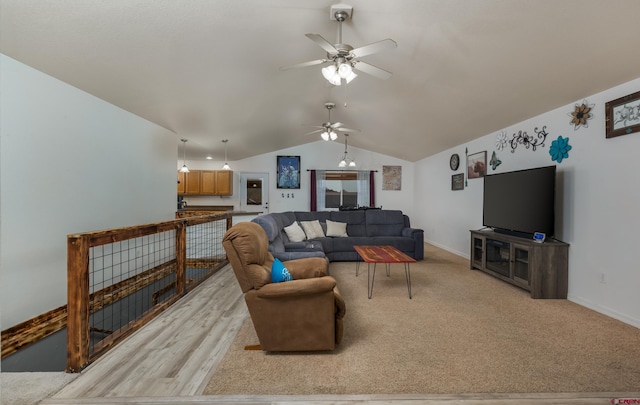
x,y
347,170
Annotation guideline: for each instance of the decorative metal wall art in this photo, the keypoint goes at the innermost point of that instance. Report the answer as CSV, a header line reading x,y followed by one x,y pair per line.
x,y
501,140
494,162
622,115
529,141
581,115
559,149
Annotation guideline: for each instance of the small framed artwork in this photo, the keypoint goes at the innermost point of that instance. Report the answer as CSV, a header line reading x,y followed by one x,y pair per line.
x,y
622,115
477,165
457,181
288,172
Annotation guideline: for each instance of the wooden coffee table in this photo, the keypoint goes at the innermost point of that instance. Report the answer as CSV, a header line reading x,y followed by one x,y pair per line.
x,y
383,254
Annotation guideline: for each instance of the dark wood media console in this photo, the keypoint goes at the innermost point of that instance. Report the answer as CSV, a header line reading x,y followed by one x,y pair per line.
x,y
540,268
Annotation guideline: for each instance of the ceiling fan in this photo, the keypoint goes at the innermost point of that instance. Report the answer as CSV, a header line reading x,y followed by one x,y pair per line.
x,y
343,57
328,129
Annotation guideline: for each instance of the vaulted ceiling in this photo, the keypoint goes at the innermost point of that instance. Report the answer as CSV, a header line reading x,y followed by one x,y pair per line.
x,y
209,69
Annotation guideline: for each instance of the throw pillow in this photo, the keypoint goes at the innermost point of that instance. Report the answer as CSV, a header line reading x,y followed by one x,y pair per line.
x,y
295,233
338,229
279,273
312,229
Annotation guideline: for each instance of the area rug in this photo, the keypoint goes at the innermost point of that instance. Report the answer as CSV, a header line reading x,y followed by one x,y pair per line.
x,y
462,332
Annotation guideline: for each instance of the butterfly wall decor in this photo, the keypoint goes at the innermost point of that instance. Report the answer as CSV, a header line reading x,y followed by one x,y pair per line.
x,y
494,162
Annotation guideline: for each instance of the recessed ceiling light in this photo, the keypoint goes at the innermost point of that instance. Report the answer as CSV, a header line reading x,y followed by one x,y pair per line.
x,y
209,157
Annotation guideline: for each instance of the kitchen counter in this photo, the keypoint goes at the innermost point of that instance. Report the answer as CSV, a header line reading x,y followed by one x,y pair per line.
x,y
201,210
207,208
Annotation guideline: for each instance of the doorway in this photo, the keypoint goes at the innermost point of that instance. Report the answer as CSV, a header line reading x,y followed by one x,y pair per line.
x,y
254,192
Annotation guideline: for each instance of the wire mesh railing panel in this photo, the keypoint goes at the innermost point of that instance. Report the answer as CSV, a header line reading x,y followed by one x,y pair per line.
x,y
119,279
204,250
127,278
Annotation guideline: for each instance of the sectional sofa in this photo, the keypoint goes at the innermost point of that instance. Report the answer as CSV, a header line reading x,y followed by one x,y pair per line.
x,y
341,231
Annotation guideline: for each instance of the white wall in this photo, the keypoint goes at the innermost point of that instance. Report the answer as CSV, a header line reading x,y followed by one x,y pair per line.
x,y
317,155
70,163
597,204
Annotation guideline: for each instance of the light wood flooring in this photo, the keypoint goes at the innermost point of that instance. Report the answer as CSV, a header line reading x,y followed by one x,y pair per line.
x,y
171,359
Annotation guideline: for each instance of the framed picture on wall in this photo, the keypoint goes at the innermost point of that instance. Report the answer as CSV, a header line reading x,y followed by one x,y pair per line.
x,y
477,165
391,177
457,181
288,171
622,115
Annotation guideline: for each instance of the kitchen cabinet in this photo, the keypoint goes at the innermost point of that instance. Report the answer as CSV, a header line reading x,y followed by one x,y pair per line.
x,y
182,181
206,182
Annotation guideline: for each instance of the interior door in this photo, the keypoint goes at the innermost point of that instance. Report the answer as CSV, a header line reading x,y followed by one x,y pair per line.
x,y
254,192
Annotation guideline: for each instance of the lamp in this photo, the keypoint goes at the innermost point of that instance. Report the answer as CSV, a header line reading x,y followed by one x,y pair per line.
x,y
226,165
184,168
346,160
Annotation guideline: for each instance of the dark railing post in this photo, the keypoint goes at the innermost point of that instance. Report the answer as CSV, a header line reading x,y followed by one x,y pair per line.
x,y
77,303
181,258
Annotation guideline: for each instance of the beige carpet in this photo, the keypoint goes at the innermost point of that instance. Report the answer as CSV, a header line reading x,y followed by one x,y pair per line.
x,y
463,332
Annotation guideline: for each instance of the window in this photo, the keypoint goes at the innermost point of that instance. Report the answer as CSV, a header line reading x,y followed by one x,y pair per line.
x,y
342,189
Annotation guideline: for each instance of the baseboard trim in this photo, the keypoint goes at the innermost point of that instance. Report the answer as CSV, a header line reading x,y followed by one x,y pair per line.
x,y
605,311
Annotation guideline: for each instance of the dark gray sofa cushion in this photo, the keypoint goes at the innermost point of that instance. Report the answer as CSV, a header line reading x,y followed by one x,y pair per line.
x,y
384,223
355,220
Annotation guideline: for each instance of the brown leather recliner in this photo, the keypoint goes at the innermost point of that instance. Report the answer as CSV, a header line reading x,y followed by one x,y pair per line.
x,y
300,315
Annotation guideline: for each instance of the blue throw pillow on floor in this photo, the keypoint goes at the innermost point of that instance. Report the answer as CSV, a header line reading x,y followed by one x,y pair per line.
x,y
279,273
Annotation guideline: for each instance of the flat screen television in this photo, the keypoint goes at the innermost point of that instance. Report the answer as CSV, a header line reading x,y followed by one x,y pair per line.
x,y
520,202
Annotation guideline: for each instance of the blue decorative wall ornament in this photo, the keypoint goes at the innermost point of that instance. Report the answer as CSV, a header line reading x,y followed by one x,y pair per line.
x,y
559,149
529,141
494,162
581,115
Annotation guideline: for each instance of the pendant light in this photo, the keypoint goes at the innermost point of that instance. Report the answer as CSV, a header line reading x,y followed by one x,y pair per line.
x,y
346,161
184,168
226,165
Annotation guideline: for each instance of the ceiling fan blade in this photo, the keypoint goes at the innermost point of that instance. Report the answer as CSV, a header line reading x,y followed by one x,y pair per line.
x,y
304,64
315,132
372,70
374,48
323,43
336,125
348,130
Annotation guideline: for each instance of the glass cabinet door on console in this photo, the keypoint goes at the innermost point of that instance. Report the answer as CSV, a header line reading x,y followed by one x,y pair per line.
x,y
477,252
520,263
498,256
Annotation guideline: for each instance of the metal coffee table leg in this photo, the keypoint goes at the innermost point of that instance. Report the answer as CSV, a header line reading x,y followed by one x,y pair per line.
x,y
370,280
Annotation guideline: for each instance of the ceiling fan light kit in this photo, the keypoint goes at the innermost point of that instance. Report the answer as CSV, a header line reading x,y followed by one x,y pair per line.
x,y
343,57
328,130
